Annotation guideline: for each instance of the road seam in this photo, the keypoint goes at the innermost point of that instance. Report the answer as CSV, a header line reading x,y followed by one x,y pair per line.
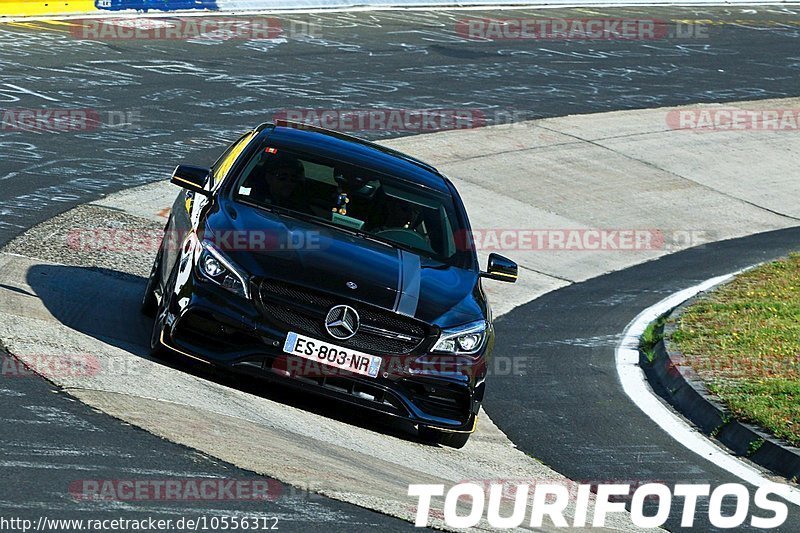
x,y
667,171
529,269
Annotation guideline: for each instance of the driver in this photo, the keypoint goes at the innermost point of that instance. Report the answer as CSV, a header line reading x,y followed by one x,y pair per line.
x,y
285,182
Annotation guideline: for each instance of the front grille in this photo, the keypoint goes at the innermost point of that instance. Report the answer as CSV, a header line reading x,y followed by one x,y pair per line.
x,y
303,310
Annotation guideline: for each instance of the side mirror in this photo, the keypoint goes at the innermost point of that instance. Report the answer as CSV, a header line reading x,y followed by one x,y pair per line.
x,y
191,178
501,269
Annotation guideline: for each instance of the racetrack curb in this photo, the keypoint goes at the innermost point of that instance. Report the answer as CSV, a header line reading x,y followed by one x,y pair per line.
x,y
689,395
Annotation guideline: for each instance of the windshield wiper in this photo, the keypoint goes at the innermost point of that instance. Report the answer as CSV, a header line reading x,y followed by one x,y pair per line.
x,y
327,223
393,244
279,209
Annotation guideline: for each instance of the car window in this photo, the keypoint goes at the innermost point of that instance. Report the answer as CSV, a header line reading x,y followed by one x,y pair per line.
x,y
390,209
321,173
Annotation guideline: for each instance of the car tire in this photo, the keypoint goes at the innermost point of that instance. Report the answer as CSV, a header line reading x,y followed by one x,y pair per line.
x,y
157,349
445,438
149,305
454,440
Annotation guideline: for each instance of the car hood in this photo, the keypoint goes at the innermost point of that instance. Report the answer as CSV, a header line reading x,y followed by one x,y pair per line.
x,y
271,245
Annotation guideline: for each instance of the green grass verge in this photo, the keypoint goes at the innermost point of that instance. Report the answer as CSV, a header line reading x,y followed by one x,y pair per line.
x,y
743,341
651,336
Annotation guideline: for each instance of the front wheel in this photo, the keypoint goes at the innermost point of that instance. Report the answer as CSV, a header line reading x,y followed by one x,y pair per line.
x,y
157,349
149,301
445,438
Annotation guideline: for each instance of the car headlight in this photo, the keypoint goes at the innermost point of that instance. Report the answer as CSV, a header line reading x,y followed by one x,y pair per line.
x,y
216,267
467,339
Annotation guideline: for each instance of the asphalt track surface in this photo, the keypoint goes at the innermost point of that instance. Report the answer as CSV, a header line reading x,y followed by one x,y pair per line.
x,y
188,99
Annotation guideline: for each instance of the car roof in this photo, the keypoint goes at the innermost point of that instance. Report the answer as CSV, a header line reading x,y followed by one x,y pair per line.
x,y
359,152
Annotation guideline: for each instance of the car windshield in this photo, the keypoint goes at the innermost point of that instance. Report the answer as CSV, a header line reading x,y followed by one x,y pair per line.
x,y
354,199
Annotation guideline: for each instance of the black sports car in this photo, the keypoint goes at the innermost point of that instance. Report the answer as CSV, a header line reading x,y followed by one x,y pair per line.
x,y
333,264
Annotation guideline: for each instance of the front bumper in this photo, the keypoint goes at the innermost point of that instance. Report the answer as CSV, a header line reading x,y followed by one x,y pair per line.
x,y
207,322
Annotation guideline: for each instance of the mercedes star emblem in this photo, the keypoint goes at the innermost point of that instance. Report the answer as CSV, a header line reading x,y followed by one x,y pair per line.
x,y
342,322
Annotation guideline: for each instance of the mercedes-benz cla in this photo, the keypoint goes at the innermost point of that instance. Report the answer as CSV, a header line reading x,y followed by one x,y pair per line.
x,y
333,264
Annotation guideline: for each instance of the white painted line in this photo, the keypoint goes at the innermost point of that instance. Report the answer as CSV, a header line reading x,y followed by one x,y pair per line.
x,y
635,385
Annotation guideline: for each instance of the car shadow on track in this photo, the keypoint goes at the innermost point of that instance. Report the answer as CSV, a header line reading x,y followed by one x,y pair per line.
x,y
104,304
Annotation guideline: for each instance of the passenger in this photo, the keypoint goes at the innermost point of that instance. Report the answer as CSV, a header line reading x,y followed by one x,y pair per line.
x,y
400,215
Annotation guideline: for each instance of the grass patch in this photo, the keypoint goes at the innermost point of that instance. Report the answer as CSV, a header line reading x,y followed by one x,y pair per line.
x,y
743,341
653,334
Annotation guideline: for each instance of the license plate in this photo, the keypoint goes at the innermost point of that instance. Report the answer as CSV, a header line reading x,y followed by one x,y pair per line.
x,y
332,355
